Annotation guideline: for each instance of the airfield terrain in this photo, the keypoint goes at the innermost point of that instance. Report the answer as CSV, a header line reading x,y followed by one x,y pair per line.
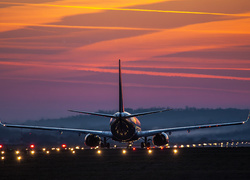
x,y
185,163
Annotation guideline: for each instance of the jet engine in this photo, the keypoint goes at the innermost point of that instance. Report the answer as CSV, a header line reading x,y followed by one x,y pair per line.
x,y
92,140
160,139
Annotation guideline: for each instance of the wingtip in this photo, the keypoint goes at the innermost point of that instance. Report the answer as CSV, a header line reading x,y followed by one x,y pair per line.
x,y
248,117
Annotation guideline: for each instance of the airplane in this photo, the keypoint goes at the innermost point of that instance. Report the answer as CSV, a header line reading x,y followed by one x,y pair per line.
x,y
125,127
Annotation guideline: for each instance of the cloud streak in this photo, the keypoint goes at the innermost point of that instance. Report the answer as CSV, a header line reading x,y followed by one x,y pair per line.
x,y
134,72
127,9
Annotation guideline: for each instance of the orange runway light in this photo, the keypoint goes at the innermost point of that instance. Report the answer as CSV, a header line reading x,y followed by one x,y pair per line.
x,y
124,151
175,151
99,152
134,148
149,151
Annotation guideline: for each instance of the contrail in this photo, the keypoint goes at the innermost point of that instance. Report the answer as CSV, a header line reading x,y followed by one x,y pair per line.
x,y
128,9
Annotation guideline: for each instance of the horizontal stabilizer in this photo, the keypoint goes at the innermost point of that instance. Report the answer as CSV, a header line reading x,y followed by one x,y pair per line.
x,y
92,113
147,113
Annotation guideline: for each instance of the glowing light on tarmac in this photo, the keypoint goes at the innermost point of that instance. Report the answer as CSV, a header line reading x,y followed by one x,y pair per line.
x,y
17,152
149,151
124,151
64,145
44,149
99,152
175,151
47,152
19,158
58,149
2,152
32,152
32,146
134,148
1,146
73,152
2,158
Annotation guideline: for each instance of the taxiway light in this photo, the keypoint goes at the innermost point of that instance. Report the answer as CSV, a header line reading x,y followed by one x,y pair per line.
x,y
149,151
19,158
124,151
17,152
32,146
2,152
32,152
188,145
77,147
47,152
58,149
64,145
99,152
2,158
44,149
175,151
73,152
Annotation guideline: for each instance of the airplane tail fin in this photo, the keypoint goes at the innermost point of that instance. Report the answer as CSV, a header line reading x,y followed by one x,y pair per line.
x,y
121,107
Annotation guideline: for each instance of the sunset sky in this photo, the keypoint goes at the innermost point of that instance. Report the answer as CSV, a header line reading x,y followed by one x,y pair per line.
x,y
60,55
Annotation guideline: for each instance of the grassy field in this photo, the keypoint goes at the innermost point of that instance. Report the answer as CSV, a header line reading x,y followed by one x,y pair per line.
x,y
187,163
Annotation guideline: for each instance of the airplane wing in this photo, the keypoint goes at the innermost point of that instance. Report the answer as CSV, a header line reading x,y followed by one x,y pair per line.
x,y
83,131
188,128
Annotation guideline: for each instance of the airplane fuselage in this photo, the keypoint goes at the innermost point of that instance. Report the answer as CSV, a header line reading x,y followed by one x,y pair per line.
x,y
124,129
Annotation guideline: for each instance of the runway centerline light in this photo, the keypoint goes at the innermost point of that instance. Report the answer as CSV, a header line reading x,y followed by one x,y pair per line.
x,y
175,151
124,151
32,152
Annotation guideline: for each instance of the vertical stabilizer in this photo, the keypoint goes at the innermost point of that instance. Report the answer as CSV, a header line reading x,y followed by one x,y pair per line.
x,y
121,108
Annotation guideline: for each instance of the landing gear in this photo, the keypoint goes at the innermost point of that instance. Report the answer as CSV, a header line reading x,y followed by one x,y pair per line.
x,y
145,143
105,144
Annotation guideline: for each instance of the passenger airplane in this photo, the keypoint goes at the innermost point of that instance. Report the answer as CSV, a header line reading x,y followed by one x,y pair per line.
x,y
125,127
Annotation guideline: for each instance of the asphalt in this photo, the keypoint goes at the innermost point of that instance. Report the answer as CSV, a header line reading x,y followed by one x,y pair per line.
x,y
186,163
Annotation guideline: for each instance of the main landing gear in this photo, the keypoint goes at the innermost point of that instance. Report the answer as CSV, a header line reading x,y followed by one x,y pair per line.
x,y
105,144
145,143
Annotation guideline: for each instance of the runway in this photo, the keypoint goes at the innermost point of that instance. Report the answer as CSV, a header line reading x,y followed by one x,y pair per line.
x,y
167,163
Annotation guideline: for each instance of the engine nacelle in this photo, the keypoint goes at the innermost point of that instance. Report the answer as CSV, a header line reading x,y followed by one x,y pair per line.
x,y
92,140
160,139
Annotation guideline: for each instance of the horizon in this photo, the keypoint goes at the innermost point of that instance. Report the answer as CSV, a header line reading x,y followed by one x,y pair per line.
x,y
60,55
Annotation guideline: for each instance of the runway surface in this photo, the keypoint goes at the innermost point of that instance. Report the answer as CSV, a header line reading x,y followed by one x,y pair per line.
x,y
186,163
